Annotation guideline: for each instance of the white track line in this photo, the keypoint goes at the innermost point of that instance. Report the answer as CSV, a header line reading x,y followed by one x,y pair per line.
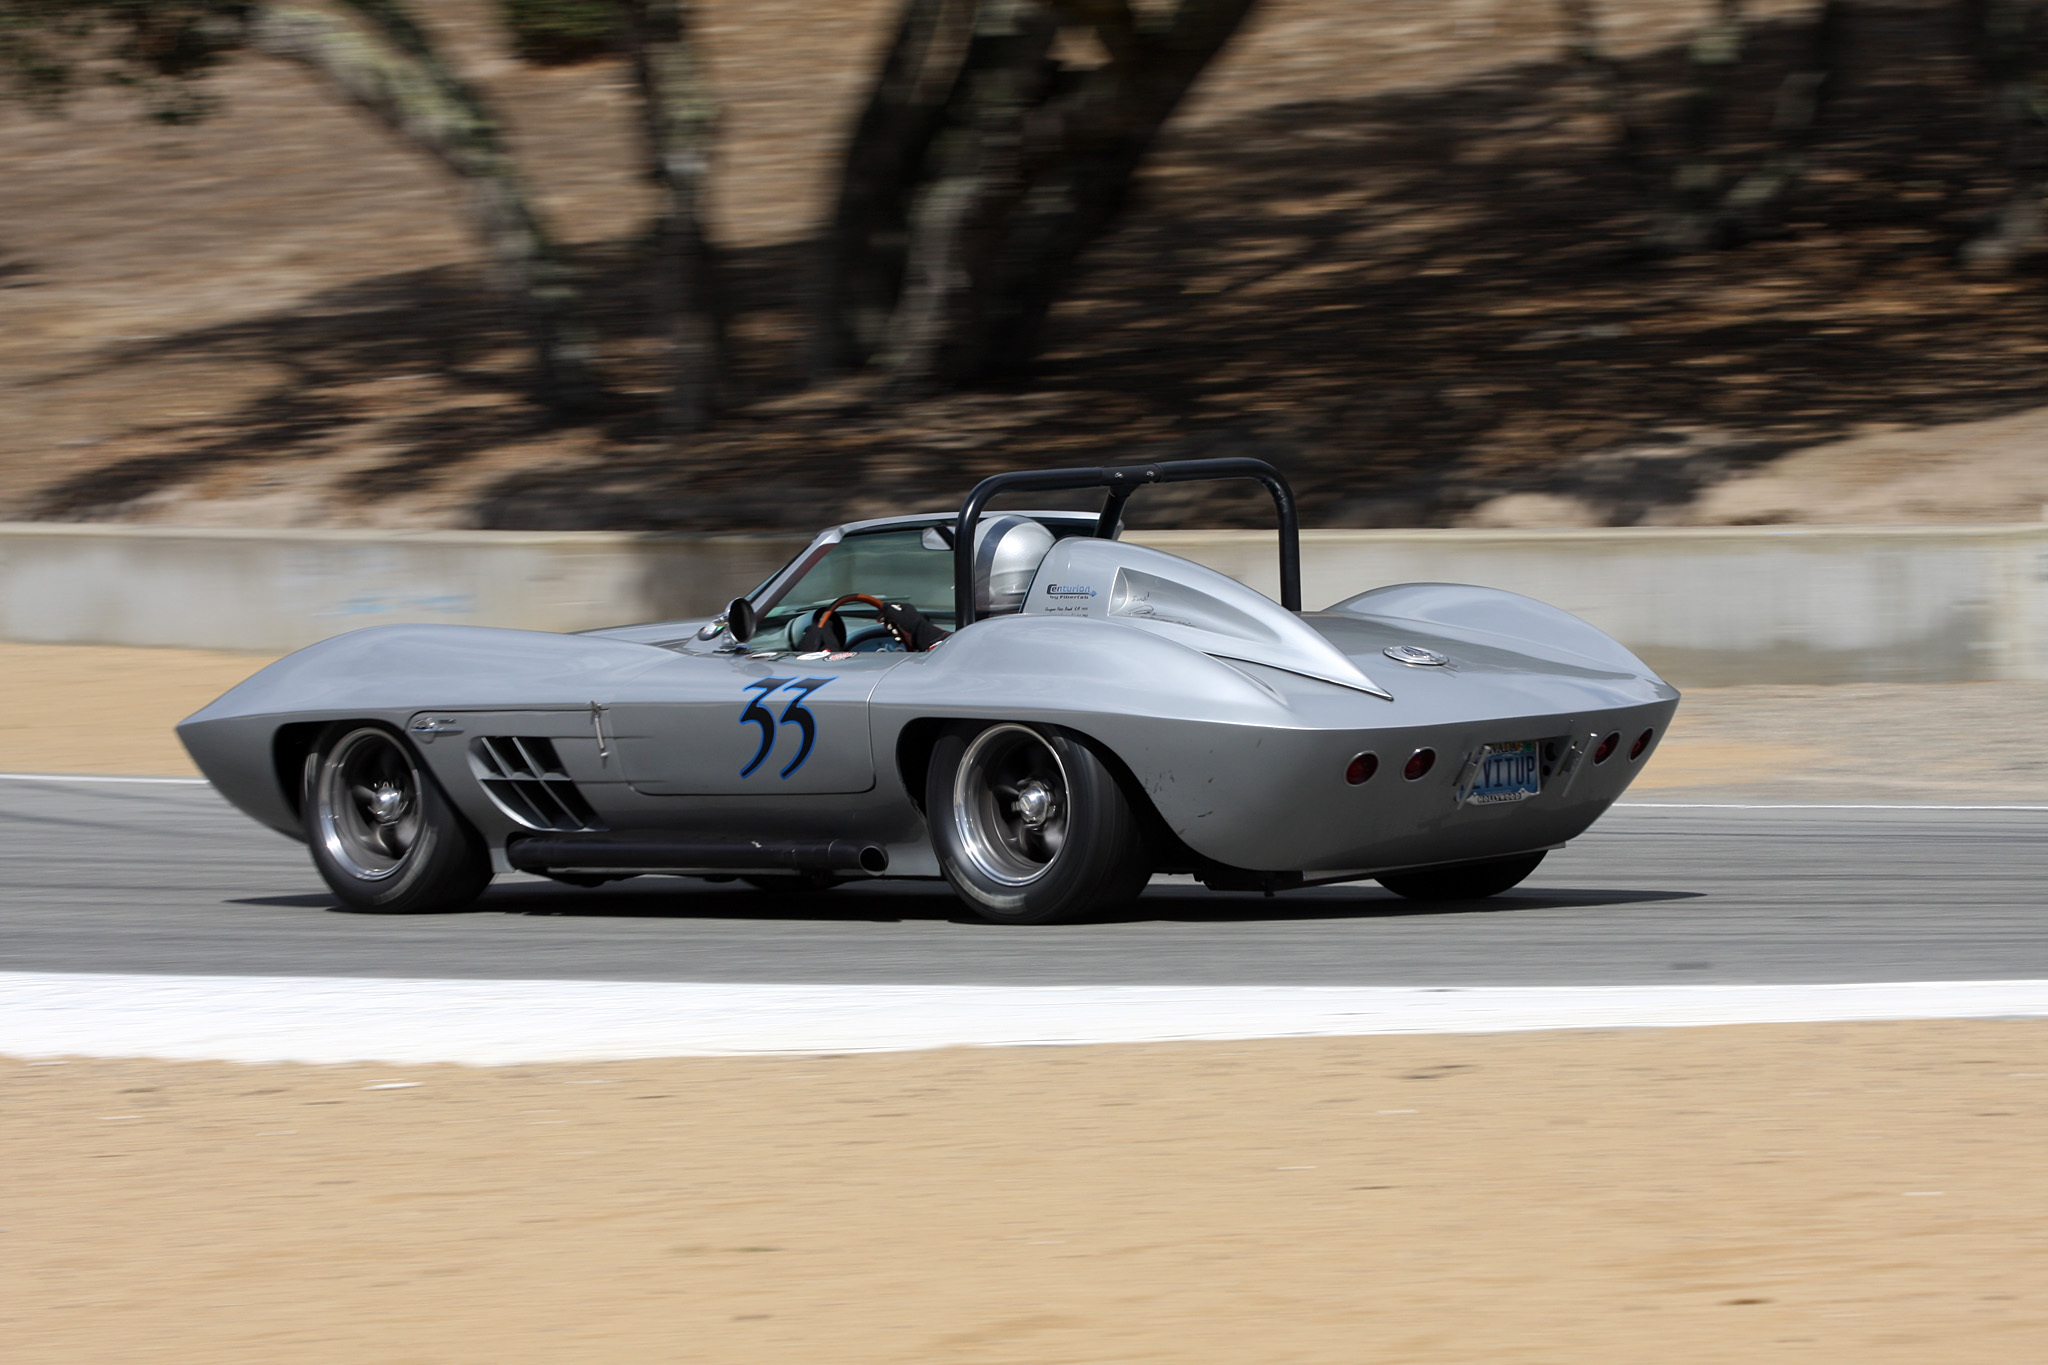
x,y
94,777
498,1023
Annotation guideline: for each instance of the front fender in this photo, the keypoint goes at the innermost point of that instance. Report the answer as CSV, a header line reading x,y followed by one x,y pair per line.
x,y
388,673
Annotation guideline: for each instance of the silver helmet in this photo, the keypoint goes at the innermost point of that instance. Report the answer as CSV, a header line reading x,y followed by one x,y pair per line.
x,y
1007,552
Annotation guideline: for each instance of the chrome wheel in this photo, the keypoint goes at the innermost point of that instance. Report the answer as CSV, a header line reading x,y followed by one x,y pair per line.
x,y
1011,804
1030,823
367,804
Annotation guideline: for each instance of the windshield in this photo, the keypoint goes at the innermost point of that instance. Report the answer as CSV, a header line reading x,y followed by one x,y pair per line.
x,y
913,565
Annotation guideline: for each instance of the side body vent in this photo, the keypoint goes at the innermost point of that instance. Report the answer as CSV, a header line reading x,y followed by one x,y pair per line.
x,y
524,776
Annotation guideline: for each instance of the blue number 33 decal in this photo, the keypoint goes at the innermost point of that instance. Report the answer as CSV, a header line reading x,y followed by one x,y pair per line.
x,y
792,714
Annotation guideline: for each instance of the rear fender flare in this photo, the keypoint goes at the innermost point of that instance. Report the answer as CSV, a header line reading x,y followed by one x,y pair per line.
x,y
914,745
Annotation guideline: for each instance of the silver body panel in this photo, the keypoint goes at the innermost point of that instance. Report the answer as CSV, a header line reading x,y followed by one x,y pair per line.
x,y
1235,718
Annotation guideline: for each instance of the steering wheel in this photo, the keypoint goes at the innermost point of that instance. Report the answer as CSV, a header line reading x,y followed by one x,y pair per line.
x,y
825,618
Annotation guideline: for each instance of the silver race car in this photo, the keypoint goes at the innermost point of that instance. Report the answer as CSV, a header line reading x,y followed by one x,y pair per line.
x,y
1020,703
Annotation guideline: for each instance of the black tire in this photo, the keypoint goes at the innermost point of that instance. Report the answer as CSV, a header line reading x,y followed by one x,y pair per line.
x,y
1462,881
383,833
1030,826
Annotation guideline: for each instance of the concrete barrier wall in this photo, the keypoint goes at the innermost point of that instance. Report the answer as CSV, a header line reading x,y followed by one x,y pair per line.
x,y
279,590
1705,607
1721,605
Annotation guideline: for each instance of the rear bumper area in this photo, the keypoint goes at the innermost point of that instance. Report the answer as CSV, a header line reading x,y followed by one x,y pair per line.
x,y
1280,801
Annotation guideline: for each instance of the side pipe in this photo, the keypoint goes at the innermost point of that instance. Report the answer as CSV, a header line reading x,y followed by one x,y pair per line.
x,y
1122,481
657,852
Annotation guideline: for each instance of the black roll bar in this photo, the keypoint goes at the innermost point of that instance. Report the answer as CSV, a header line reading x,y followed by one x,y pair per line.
x,y
1122,481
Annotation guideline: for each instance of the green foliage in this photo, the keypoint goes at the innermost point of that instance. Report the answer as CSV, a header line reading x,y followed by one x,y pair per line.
x,y
35,36
159,49
558,31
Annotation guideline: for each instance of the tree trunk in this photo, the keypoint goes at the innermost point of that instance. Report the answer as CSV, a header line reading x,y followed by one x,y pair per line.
x,y
1610,85
996,186
1697,212
680,117
1081,161
1756,205
395,74
1691,218
867,243
977,178
2006,51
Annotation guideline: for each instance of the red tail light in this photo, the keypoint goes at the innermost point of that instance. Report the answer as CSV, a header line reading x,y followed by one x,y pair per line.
x,y
1642,742
1607,747
1419,762
1362,767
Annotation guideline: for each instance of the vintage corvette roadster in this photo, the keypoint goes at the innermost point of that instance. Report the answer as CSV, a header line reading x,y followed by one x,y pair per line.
x,y
1021,703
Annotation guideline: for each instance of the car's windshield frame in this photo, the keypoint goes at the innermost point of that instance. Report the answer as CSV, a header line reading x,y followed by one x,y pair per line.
x,y
768,597
934,600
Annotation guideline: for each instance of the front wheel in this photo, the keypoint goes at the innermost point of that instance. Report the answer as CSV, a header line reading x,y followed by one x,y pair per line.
x,y
1462,881
383,835
1030,826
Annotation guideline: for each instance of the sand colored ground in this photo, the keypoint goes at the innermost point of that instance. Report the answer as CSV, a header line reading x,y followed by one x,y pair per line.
x,y
94,709
1959,471
97,709
1952,742
1866,1193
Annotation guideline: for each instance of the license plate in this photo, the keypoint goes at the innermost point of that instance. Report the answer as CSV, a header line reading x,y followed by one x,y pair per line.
x,y
1507,772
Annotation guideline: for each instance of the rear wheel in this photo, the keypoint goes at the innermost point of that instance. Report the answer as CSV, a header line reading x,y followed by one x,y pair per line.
x,y
1462,881
1030,826
383,835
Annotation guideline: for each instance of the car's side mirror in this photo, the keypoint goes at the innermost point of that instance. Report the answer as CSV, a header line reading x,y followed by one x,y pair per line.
x,y
740,620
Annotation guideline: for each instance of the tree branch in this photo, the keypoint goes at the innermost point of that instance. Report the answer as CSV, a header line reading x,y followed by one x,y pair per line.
x,y
418,98
679,118
866,243
1582,40
2007,54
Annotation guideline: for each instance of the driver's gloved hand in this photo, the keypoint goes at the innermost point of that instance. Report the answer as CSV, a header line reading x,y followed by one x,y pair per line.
x,y
830,636
910,625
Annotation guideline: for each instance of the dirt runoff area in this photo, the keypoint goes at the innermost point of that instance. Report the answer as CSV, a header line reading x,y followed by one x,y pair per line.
x,y
1828,1193
96,709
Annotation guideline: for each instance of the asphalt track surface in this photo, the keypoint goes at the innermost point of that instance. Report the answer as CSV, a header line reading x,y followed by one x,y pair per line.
x,y
119,877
